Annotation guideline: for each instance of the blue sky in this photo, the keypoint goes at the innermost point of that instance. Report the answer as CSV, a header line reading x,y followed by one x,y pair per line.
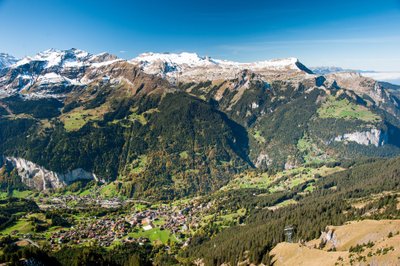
x,y
362,34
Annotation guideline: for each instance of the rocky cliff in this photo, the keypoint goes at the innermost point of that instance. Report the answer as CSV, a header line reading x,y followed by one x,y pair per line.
x,y
39,178
374,137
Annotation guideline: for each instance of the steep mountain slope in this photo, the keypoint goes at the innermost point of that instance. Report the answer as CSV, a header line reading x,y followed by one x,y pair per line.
x,y
307,118
114,120
6,60
182,124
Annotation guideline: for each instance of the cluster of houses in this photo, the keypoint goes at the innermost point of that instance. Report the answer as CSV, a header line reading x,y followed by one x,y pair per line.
x,y
179,220
176,223
103,230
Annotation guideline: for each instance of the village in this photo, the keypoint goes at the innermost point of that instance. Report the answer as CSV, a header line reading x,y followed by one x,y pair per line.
x,y
123,221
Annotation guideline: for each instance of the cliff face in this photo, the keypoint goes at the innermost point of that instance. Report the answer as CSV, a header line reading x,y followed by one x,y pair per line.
x,y
39,178
374,137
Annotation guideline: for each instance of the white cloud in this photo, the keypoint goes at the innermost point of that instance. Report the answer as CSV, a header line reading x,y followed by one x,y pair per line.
x,y
393,77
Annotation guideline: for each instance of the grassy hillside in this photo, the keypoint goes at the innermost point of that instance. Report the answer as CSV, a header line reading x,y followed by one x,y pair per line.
x,y
344,109
367,241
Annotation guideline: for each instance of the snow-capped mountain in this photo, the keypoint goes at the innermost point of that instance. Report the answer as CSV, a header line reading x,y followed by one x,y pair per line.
x,y
6,60
72,58
192,67
51,68
55,73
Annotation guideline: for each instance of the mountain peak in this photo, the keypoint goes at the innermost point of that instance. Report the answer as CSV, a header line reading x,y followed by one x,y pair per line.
x,y
49,67
66,58
56,57
276,64
193,59
7,60
191,66
184,58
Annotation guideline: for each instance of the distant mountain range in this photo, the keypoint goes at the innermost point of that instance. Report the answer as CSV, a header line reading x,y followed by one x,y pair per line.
x,y
393,77
192,67
323,70
171,125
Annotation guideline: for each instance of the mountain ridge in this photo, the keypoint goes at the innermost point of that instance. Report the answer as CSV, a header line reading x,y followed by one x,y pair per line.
x,y
67,109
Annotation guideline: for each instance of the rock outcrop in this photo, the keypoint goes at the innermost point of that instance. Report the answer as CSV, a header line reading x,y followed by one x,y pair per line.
x,y
39,178
374,137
